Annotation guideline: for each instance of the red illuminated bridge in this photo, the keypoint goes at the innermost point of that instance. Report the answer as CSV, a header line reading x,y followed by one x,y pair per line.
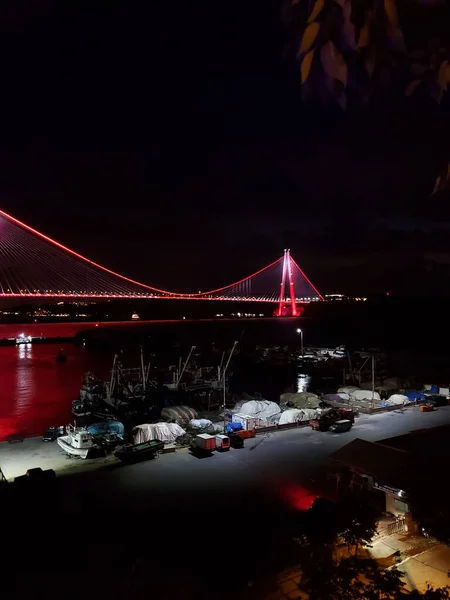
x,y
34,265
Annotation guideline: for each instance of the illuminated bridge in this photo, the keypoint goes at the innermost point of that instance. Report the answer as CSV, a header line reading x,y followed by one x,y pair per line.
x,y
32,265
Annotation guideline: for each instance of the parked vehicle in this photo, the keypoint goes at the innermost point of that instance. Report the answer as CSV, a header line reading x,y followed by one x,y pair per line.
x,y
52,434
324,422
341,426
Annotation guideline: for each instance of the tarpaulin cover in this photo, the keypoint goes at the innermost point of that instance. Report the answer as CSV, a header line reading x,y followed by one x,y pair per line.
x,y
335,397
412,396
106,427
201,424
233,427
264,410
397,399
364,395
164,432
301,399
347,389
292,415
180,414
431,389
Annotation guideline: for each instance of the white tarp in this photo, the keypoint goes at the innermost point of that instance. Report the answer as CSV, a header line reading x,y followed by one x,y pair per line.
x,y
365,395
292,415
201,424
344,396
347,389
264,410
397,399
164,432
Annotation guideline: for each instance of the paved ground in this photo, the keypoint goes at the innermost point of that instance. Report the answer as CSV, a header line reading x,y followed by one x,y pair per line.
x,y
288,454
218,519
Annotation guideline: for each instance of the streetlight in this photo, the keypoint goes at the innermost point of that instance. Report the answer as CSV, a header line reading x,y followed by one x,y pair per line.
x,y
300,331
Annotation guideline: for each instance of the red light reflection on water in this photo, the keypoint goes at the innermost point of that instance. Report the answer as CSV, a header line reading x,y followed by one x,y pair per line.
x,y
35,390
298,497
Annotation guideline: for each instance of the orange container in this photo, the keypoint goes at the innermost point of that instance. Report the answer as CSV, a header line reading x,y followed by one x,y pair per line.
x,y
245,434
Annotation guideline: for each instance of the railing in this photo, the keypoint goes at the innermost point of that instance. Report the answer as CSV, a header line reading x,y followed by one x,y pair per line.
x,y
398,527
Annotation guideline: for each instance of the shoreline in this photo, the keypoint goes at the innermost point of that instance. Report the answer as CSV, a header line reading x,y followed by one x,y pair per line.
x,y
75,328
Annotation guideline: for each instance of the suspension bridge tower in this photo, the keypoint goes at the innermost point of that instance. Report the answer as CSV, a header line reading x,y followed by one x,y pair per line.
x,y
287,302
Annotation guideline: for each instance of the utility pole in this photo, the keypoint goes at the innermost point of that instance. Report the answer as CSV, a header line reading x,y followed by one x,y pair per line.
x,y
224,374
373,379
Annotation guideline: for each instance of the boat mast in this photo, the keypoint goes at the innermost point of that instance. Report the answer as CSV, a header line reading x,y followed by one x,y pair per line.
x,y
225,384
111,383
185,365
144,379
219,368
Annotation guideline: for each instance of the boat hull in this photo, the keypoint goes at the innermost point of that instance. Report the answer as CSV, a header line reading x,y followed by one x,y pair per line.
x,y
63,443
140,452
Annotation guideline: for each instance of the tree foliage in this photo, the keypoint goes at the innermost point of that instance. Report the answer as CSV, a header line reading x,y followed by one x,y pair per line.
x,y
351,49
327,574
352,52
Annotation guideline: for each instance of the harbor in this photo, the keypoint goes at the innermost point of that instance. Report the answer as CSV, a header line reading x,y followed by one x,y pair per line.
x,y
284,453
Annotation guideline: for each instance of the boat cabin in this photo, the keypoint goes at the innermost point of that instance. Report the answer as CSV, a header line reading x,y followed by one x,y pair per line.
x,y
82,439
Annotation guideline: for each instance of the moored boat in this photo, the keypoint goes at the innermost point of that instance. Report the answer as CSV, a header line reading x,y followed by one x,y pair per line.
x,y
129,453
77,442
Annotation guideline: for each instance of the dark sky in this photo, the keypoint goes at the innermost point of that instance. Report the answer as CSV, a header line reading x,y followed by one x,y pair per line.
x,y
170,143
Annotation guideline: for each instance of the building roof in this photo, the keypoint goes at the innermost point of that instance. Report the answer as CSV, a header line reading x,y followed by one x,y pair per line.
x,y
423,443
386,464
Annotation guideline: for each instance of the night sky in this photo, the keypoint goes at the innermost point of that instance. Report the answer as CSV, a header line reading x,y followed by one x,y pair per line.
x,y
171,144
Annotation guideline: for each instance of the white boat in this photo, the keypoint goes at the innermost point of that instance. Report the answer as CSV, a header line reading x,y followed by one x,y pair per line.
x,y
24,339
77,442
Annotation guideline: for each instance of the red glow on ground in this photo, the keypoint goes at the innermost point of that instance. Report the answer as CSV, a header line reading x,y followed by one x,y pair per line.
x,y
297,497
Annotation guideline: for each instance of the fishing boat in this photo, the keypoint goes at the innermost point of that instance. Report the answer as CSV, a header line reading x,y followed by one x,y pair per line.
x,y
106,427
77,442
129,453
23,339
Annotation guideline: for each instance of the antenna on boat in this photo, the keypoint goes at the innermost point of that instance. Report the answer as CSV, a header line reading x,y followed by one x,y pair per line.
x,y
111,383
185,365
225,383
144,380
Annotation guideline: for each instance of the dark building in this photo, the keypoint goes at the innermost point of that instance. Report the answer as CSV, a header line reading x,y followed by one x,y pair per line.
x,y
410,470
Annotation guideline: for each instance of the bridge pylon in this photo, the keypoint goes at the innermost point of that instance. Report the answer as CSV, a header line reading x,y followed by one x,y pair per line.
x,y
287,297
